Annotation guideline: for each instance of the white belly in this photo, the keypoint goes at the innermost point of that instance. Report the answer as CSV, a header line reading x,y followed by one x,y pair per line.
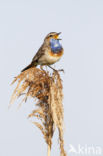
x,y
47,59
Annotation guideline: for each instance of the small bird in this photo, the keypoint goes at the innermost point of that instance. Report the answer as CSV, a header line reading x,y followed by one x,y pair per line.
x,y
50,51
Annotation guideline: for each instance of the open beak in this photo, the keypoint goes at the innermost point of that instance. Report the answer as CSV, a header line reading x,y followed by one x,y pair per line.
x,y
57,36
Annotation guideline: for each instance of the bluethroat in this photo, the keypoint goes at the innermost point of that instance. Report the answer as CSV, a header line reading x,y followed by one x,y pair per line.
x,y
50,51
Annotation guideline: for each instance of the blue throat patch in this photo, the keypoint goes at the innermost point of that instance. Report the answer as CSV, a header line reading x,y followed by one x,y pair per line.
x,y
56,47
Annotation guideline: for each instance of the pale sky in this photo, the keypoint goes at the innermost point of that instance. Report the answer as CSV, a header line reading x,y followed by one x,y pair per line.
x,y
23,26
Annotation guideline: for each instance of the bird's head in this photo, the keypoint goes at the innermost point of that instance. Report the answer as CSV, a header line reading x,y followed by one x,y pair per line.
x,y
52,35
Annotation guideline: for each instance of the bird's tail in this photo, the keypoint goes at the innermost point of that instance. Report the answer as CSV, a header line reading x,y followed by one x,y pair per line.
x,y
29,66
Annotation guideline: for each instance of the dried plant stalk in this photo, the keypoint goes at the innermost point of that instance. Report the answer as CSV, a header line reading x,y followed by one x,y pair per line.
x,y
46,88
49,150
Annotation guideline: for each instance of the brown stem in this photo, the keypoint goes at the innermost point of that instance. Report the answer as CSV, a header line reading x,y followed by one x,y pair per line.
x,y
49,149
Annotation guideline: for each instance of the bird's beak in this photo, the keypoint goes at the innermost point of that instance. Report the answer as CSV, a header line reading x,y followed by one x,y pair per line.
x,y
58,33
57,36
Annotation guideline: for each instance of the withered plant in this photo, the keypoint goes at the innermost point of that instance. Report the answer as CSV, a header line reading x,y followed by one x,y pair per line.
x,y
46,88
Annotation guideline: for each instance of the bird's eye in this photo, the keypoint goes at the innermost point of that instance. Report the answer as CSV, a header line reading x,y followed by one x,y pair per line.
x,y
51,36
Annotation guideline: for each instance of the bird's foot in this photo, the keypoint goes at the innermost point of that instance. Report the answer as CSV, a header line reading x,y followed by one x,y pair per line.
x,y
60,70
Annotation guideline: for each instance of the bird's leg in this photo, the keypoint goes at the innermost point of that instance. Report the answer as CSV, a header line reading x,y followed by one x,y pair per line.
x,y
55,69
41,67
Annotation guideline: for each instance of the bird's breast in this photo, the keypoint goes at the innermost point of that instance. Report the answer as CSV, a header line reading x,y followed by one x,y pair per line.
x,y
52,54
56,54
50,58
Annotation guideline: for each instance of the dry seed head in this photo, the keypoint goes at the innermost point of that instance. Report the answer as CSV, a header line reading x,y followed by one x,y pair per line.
x,y
46,88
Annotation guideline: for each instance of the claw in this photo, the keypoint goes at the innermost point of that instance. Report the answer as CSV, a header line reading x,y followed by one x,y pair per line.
x,y
60,70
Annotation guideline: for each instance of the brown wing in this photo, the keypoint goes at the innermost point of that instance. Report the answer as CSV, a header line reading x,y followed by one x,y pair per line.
x,y
40,52
35,59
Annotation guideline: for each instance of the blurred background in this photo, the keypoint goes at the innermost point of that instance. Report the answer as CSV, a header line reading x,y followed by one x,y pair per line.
x,y
23,26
